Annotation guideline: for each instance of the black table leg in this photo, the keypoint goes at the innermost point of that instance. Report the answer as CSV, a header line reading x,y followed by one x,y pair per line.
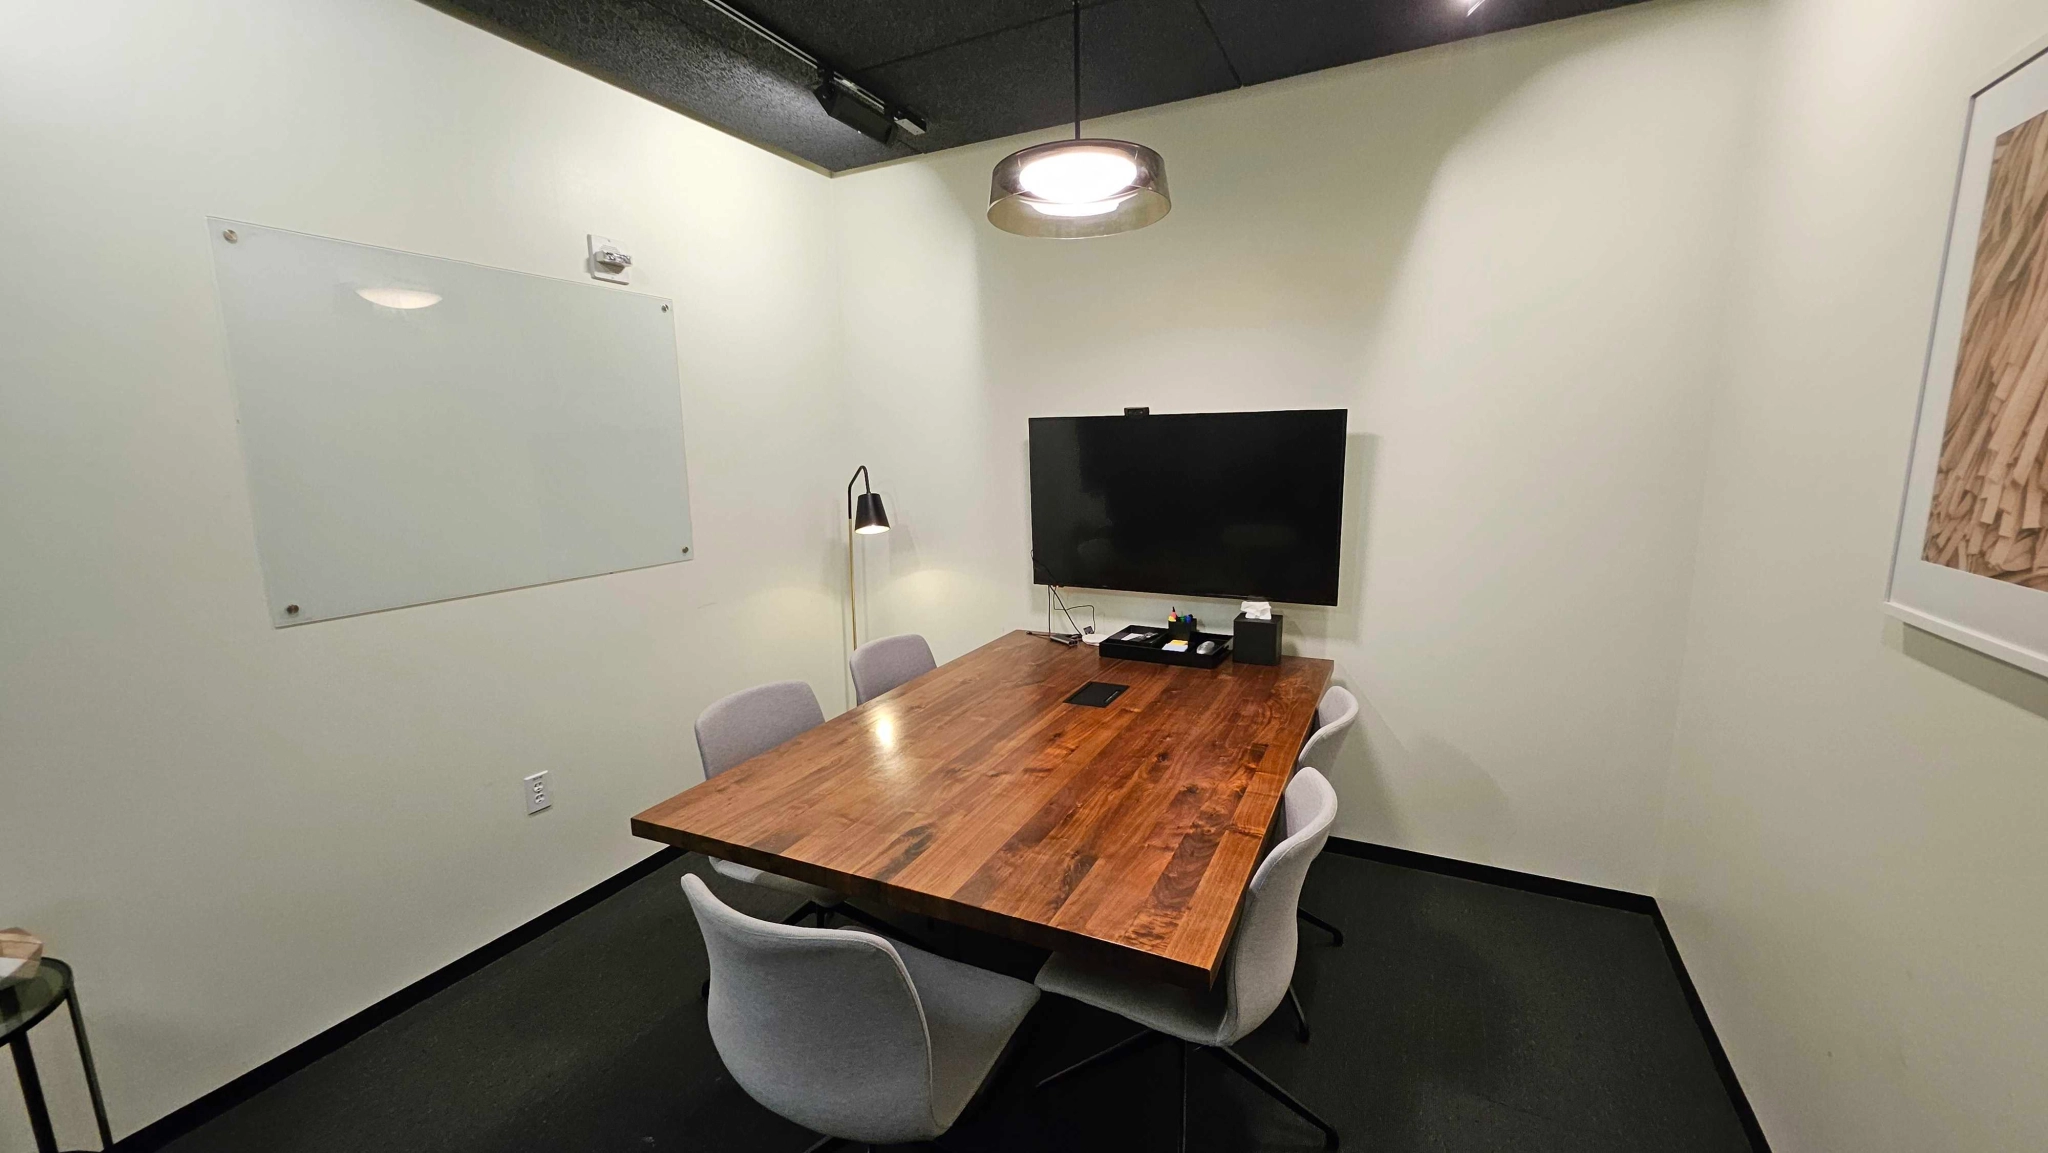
x,y
92,1076
32,1094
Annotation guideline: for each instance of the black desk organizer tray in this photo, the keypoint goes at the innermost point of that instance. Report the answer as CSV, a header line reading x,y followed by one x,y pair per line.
x,y
1153,648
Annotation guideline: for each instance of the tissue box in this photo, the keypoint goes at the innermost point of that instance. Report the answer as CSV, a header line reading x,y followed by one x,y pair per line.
x,y
1257,642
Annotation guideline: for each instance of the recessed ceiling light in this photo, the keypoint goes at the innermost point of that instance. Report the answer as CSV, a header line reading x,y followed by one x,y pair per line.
x,y
400,297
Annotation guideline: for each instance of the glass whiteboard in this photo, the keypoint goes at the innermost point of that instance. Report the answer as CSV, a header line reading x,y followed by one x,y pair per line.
x,y
419,429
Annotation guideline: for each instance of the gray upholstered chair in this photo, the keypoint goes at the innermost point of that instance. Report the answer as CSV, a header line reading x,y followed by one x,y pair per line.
x,y
881,665
743,726
849,1034
1334,715
1257,974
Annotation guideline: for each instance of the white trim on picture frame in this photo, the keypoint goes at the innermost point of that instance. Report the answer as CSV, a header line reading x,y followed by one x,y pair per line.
x,y
2001,619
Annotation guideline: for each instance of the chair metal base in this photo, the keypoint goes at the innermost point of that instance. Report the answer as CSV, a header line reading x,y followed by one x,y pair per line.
x,y
1127,1045
1336,934
809,909
1231,1059
1300,1016
1251,1073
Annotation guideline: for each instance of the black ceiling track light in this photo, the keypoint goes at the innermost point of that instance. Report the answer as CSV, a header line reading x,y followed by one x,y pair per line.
x,y
843,98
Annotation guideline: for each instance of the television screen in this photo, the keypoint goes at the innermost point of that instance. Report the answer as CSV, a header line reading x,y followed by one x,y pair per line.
x,y
1216,504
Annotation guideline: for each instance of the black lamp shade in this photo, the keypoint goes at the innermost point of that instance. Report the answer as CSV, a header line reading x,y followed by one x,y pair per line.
x,y
868,516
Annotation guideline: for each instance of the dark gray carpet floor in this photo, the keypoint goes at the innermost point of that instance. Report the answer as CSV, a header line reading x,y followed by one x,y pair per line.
x,y
1458,1016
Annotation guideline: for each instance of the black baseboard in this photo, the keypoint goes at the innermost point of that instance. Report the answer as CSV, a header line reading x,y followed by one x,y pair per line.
x,y
1747,1115
179,1122
1591,895
1494,875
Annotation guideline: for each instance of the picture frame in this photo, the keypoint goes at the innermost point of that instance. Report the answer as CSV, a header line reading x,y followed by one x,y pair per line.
x,y
1970,559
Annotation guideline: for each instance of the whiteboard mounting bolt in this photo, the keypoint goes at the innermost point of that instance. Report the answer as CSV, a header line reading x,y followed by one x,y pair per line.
x,y
664,308
686,550
291,610
229,236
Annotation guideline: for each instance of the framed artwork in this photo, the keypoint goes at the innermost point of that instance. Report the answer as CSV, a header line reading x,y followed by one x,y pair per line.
x,y
1971,560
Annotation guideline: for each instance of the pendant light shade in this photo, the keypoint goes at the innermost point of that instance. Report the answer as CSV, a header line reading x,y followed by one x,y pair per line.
x,y
1071,189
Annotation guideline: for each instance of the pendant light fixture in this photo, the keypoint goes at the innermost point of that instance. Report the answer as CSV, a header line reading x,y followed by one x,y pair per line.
x,y
1077,188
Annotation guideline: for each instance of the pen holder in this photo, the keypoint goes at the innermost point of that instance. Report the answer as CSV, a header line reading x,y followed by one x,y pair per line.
x,y
1181,630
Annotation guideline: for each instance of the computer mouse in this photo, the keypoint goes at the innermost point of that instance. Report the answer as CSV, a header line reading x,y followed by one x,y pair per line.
x,y
1206,647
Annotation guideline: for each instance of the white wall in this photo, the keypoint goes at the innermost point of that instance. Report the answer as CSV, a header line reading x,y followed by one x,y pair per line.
x,y
1505,258
1854,853
241,835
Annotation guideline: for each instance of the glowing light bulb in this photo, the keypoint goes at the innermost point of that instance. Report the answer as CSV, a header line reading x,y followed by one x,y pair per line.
x,y
400,297
1091,208
1080,176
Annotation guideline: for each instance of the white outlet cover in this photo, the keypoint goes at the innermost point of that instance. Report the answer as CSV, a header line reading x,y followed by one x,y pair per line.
x,y
537,795
599,271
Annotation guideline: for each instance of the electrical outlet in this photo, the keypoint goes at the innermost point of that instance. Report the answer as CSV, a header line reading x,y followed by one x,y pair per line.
x,y
537,797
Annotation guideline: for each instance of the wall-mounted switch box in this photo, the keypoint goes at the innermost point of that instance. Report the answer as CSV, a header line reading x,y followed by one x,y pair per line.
x,y
537,797
608,263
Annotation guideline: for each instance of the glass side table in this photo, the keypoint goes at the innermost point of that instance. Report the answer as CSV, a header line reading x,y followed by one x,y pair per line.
x,y
23,1006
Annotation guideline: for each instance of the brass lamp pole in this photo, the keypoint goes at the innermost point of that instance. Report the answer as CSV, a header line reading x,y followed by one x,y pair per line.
x,y
866,517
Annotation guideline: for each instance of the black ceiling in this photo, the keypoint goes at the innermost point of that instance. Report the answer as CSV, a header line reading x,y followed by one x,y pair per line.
x,y
974,69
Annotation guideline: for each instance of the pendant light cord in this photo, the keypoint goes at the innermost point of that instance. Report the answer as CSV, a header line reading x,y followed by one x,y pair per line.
x,y
1077,69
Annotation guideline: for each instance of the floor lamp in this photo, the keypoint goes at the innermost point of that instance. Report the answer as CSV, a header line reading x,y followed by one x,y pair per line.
x,y
866,517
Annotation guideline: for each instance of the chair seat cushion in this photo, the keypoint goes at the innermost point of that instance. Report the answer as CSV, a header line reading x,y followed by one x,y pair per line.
x,y
754,876
1184,1013
970,1015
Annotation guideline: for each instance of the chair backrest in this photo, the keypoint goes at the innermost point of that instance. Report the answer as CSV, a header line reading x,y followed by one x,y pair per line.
x,y
1261,962
1334,714
822,1026
752,721
881,665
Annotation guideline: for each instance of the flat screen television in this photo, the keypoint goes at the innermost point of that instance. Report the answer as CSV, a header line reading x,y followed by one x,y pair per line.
x,y
1212,504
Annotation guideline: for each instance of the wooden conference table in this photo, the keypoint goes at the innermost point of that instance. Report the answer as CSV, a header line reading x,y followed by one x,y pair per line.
x,y
974,794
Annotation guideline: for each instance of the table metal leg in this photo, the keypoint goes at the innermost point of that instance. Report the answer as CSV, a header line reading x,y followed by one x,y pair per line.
x,y
32,1094
1184,1047
92,1076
